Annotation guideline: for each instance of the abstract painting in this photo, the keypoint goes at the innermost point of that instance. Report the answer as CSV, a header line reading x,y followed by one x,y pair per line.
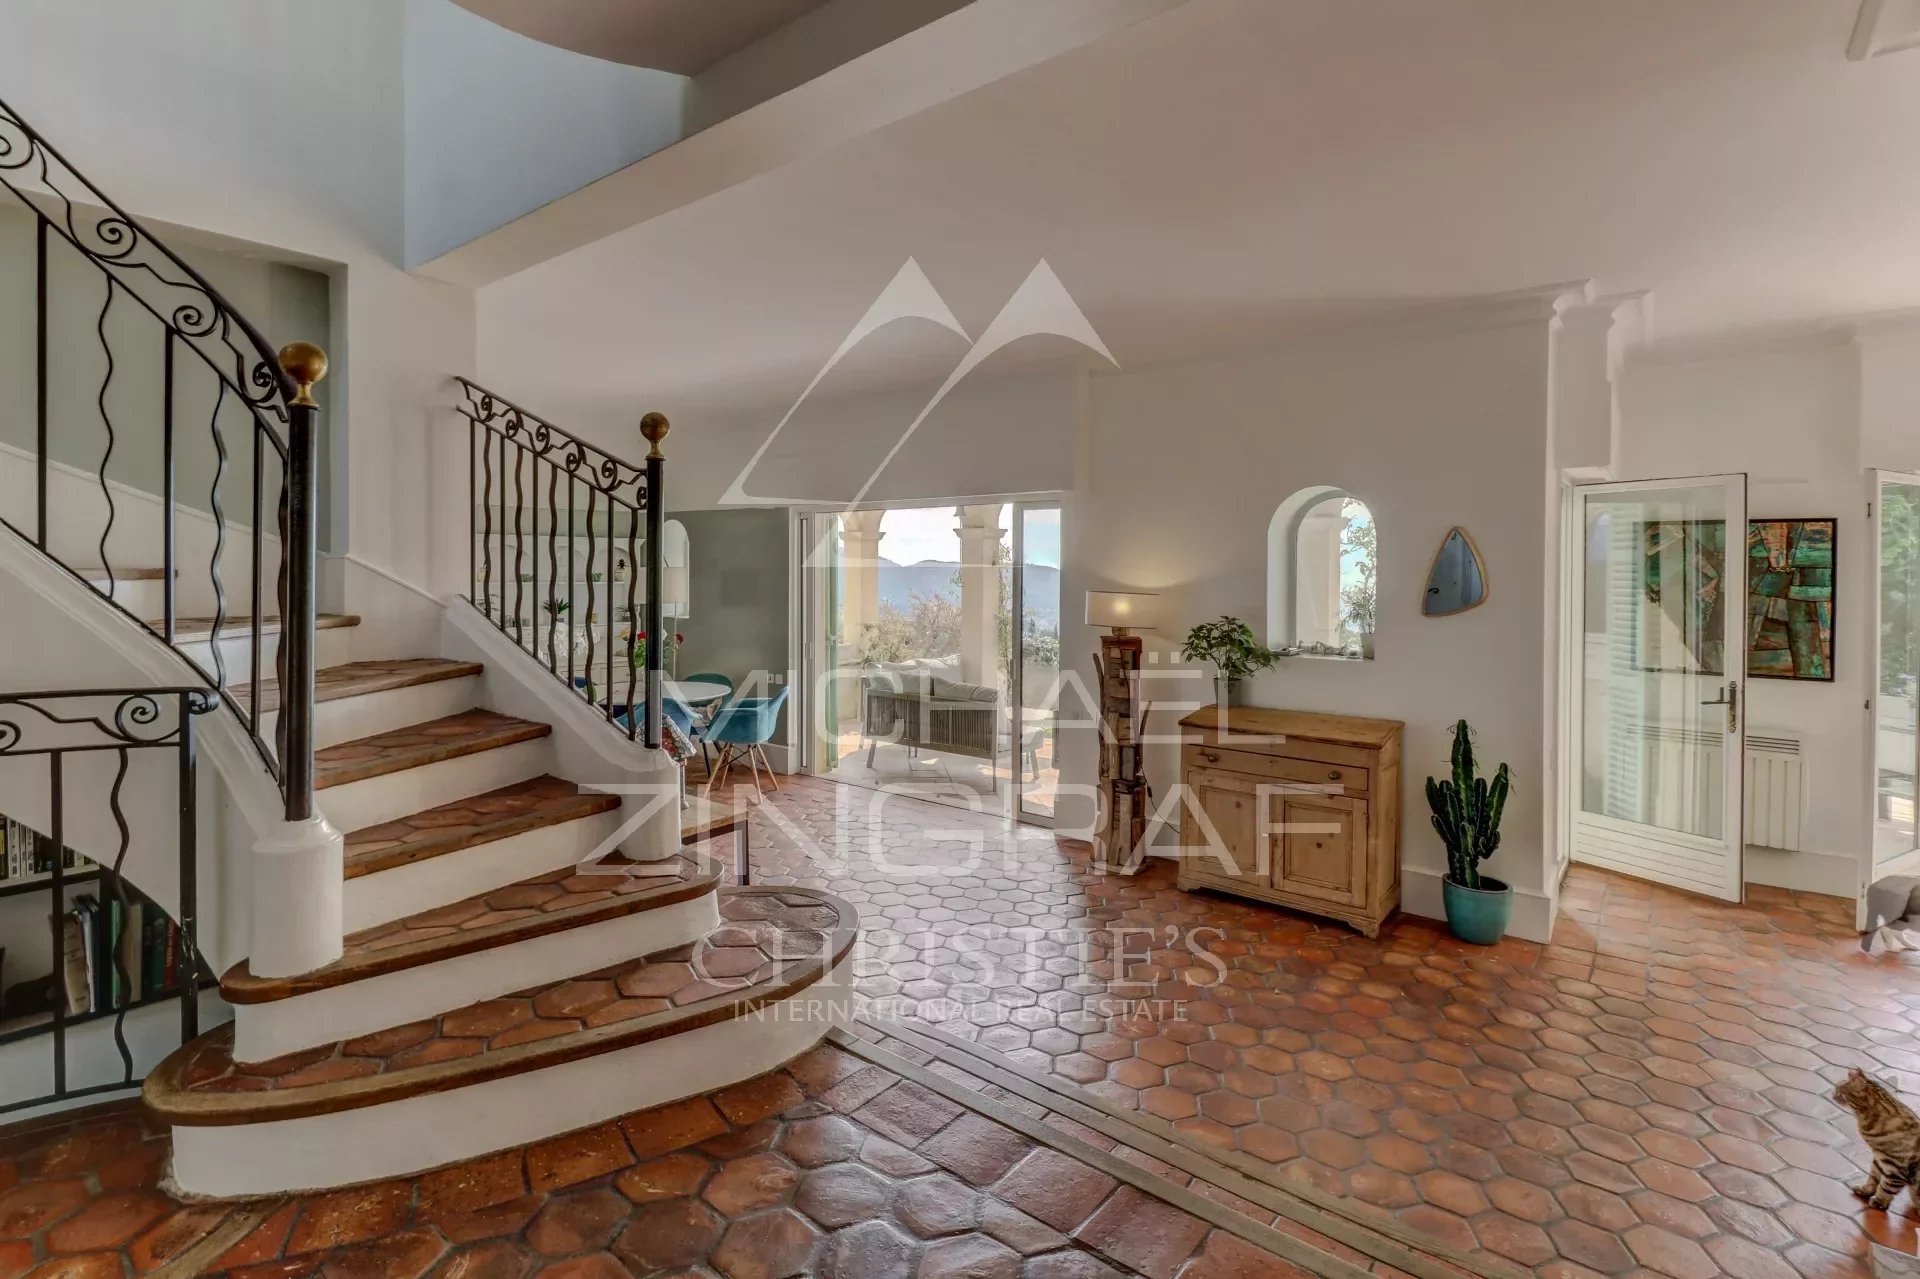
x,y
1790,599
1684,562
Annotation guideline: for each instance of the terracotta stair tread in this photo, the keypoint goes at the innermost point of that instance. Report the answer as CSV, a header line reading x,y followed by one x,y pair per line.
x,y
100,573
234,625
478,819
772,942
451,737
535,907
356,679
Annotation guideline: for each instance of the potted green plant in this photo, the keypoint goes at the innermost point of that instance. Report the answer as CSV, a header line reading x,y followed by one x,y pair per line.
x,y
1360,621
1229,644
1466,811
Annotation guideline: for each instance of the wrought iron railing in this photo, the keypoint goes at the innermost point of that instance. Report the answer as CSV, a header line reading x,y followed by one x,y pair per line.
x,y
117,723
145,302
553,575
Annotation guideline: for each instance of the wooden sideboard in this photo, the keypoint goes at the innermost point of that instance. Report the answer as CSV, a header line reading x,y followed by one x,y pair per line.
x,y
1305,810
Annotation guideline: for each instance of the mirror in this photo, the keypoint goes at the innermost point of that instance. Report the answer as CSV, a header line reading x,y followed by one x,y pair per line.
x,y
1458,579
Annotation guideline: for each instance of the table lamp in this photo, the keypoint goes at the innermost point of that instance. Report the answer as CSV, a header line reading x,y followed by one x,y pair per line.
x,y
1123,612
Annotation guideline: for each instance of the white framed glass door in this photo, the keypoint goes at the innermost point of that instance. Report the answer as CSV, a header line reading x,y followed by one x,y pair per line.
x,y
1893,505
1658,667
1034,663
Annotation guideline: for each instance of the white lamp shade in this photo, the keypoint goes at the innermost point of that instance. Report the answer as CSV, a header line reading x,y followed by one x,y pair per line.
x,y
676,591
1129,610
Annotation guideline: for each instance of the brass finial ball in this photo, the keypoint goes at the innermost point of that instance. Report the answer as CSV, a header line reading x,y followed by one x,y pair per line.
x,y
306,364
654,426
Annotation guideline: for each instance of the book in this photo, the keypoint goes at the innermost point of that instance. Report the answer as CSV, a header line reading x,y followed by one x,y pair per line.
x,y
153,958
87,910
75,980
128,973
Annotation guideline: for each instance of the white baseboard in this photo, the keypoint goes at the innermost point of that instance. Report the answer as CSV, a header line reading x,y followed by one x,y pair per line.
x,y
1420,895
1834,874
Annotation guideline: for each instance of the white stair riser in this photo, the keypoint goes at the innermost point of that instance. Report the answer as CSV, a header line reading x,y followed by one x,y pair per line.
x,y
347,719
357,805
388,895
145,598
331,647
265,1031
434,1129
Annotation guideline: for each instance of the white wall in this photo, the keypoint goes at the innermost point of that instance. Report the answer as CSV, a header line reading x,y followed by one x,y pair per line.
x,y
259,119
498,125
991,436
1183,468
1788,416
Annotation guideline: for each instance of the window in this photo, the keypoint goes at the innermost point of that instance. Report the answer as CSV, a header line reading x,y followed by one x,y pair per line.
x,y
1320,574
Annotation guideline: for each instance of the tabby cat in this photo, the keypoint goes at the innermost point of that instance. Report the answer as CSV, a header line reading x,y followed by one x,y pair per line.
x,y
1891,1131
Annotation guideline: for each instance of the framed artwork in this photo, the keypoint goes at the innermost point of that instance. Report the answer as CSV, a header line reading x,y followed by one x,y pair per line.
x,y
1683,565
1790,565
1790,598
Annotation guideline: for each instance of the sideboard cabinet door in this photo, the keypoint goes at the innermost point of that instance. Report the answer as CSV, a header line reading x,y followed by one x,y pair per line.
x,y
1322,844
1234,850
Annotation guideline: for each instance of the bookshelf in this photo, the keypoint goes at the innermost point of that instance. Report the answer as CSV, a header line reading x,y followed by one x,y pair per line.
x,y
120,949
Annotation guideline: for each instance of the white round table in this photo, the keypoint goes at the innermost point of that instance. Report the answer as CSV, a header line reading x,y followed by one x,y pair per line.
x,y
696,692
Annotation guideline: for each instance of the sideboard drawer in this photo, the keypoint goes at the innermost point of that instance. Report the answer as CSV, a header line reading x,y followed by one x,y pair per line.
x,y
1346,778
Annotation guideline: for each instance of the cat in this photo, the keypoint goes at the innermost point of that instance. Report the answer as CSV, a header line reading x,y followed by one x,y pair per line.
x,y
1891,1131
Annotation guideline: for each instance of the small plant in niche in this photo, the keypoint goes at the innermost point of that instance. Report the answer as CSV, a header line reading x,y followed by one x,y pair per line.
x,y
1466,812
1230,645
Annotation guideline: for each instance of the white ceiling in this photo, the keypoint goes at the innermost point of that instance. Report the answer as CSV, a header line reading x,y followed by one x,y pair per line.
x,y
1239,167
685,36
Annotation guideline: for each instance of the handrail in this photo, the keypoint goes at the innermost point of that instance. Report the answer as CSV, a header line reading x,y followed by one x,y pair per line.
x,y
501,430
189,315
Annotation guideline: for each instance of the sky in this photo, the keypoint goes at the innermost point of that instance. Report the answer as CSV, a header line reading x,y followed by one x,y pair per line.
x,y
914,534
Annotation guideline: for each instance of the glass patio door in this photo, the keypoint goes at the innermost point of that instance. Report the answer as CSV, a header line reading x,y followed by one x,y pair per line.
x,y
823,688
1658,675
1894,501
1035,660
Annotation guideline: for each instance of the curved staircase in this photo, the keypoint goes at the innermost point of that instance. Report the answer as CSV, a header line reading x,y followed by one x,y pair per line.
x,y
496,951
504,980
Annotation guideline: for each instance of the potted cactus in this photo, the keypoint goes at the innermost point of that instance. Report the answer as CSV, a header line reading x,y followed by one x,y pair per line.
x,y
1466,811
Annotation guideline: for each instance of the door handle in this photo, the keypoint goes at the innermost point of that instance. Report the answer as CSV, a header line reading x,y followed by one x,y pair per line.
x,y
1729,698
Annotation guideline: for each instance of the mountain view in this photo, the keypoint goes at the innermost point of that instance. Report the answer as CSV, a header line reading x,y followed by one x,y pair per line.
x,y
899,583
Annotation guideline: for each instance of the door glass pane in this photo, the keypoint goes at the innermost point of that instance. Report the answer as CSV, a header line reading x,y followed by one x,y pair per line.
x,y
1894,737
1038,634
1654,636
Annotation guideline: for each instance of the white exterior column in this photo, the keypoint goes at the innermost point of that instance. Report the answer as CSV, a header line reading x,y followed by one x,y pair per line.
x,y
860,554
980,569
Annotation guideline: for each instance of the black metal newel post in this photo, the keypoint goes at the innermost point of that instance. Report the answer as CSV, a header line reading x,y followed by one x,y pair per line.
x,y
654,427
305,364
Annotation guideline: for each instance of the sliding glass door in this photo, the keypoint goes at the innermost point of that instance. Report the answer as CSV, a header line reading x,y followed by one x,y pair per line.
x,y
1035,662
1894,500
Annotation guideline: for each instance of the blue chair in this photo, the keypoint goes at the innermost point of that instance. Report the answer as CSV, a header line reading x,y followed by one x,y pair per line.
x,y
707,710
741,730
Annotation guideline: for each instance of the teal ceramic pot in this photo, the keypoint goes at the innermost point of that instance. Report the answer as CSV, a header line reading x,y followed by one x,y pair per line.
x,y
1480,914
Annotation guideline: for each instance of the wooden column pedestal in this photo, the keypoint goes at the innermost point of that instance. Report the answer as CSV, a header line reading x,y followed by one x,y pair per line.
x,y
1123,780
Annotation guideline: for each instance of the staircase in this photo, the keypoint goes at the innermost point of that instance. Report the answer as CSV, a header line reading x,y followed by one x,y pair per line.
x,y
502,981
478,912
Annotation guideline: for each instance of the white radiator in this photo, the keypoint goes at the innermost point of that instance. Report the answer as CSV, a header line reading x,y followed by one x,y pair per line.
x,y
1776,790
1677,783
